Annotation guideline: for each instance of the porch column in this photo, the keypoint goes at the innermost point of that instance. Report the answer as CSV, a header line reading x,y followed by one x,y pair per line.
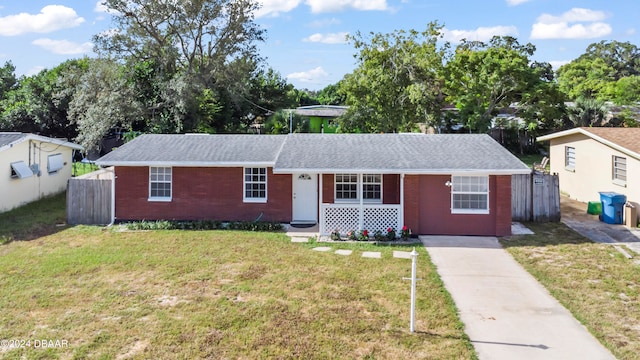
x,y
320,212
361,212
401,213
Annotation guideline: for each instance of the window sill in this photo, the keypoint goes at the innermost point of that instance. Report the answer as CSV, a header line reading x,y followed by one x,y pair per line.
x,y
158,199
620,183
470,212
254,201
570,168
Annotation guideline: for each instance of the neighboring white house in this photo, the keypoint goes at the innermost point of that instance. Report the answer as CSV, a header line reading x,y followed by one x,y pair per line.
x,y
595,159
32,167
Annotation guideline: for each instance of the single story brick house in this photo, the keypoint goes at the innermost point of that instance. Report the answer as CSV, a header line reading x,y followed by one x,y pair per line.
x,y
589,160
33,167
457,184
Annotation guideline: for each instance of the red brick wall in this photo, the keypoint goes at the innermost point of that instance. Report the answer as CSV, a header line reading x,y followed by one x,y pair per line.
x,y
503,205
428,208
328,192
391,189
200,193
412,202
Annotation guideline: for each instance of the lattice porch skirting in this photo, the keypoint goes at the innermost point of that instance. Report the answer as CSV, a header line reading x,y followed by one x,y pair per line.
x,y
372,217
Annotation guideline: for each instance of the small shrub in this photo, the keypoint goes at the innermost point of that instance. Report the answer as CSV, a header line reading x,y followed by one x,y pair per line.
x,y
204,225
391,234
378,236
405,233
363,235
351,235
335,235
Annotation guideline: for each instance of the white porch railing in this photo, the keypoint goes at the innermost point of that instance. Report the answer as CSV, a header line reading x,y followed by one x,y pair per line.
x,y
371,217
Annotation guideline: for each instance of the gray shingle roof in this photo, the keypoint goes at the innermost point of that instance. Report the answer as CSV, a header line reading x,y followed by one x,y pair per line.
x,y
417,153
380,153
196,149
7,138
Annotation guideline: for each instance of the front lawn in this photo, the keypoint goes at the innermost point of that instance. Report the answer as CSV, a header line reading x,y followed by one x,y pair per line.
x,y
218,294
596,283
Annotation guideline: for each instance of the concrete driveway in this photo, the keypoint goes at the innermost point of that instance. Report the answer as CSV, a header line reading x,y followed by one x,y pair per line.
x,y
506,312
574,215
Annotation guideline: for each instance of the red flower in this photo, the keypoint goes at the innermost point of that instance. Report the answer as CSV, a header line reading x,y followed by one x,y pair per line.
x,y
389,230
365,233
405,228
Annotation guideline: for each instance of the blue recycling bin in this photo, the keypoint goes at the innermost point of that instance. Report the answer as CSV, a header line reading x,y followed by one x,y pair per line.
x,y
612,207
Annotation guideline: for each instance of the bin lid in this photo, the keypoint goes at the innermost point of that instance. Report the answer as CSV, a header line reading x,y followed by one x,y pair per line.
x,y
613,196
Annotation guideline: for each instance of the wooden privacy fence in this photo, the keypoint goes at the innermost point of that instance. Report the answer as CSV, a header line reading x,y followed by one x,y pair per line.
x,y
89,198
535,197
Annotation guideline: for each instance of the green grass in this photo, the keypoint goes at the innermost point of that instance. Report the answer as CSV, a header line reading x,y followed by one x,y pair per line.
x,y
80,168
218,294
598,285
529,159
33,220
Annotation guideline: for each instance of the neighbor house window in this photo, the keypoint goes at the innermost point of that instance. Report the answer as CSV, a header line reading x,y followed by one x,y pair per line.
x,y
160,183
569,157
54,163
349,189
255,184
620,169
470,194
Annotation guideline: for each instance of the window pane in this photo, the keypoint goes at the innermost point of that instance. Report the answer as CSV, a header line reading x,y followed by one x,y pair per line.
x,y
255,183
160,182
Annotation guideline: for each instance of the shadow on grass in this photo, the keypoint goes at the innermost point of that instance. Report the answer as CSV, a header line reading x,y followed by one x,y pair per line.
x,y
34,220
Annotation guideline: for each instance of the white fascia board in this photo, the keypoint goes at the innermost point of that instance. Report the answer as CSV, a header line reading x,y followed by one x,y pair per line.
x,y
592,136
45,139
407,171
184,164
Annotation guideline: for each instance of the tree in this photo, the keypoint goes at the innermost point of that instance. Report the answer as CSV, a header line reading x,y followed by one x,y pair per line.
x,y
200,37
484,78
40,103
625,91
588,112
622,57
331,95
103,100
8,79
397,83
587,77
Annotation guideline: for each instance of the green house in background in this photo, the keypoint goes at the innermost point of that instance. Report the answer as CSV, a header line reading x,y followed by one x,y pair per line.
x,y
321,117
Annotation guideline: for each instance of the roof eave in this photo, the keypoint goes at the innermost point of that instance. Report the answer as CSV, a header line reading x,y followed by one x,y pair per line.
x,y
406,171
592,136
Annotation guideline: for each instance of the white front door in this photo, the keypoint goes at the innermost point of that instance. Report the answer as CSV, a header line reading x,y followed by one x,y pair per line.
x,y
305,198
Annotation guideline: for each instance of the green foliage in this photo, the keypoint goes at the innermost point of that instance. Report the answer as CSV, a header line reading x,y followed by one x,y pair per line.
x,y
278,123
331,95
484,78
398,81
588,112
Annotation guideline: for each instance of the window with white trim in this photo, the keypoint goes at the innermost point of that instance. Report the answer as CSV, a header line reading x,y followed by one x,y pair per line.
x,y
255,184
349,188
470,194
160,181
372,187
569,158
619,169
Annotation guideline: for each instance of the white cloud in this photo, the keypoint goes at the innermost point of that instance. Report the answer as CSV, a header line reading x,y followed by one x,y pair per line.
x,y
577,23
479,34
555,64
50,19
34,70
64,47
516,2
101,7
311,76
320,6
273,8
324,22
330,38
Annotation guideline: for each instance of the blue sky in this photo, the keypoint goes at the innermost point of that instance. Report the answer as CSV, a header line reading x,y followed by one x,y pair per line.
x,y
305,38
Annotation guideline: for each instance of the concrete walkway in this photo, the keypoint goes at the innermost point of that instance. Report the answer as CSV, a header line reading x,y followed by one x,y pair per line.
x,y
506,312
